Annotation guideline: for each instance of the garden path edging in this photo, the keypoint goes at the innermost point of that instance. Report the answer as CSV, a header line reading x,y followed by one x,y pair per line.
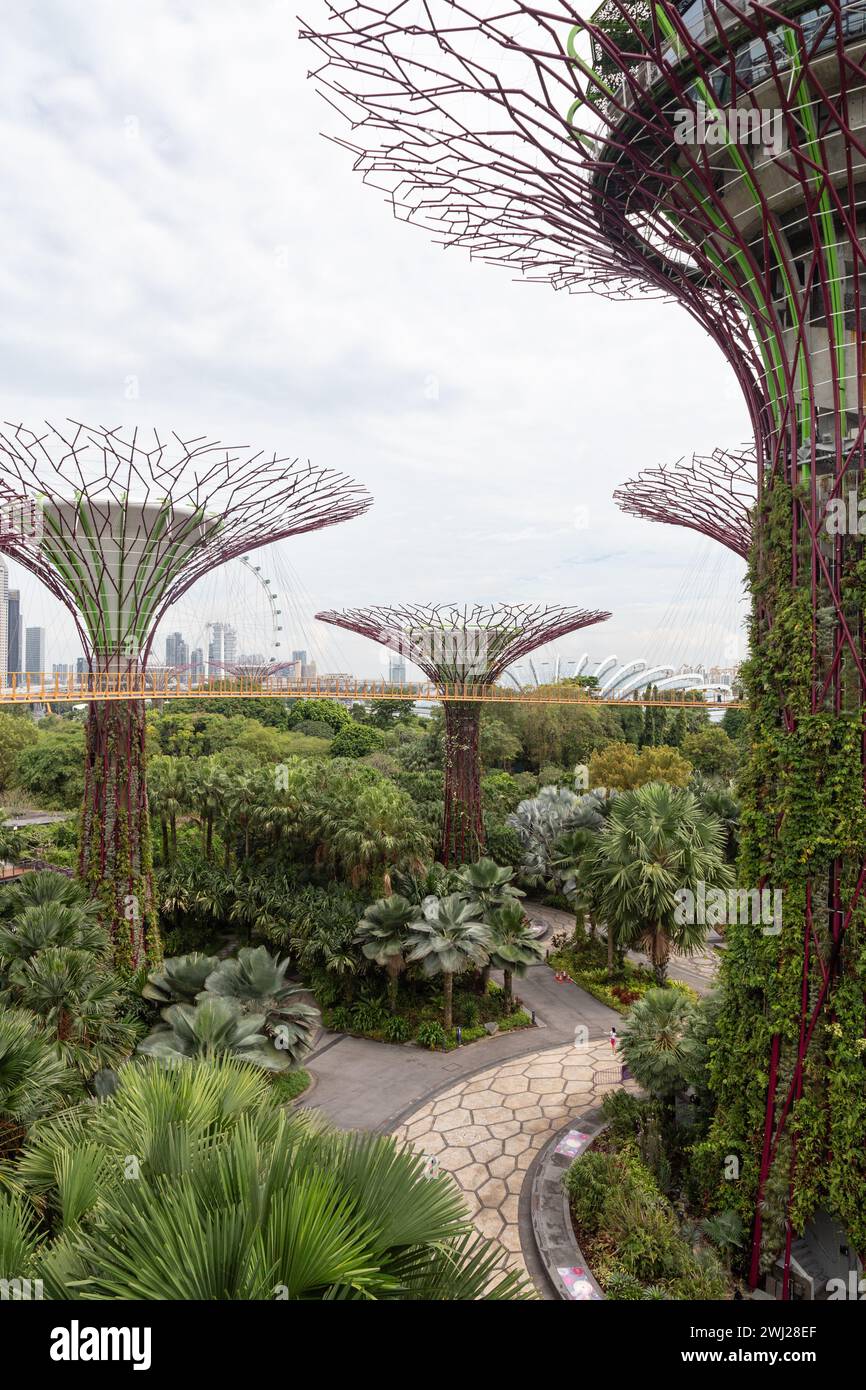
x,y
555,1242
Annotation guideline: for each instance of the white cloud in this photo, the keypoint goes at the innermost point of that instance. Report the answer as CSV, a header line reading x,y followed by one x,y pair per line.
x,y
170,212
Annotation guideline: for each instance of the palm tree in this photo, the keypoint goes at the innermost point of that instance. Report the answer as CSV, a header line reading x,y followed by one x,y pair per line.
x,y
657,841
168,795
34,1080
383,933
235,1199
488,884
363,836
210,790
42,887
51,924
512,946
448,940
656,1041
78,1004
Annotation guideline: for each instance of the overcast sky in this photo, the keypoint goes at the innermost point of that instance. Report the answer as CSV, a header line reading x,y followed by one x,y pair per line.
x,y
181,247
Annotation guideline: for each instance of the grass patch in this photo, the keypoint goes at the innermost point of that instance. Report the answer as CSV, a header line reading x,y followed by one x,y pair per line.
x,y
286,1086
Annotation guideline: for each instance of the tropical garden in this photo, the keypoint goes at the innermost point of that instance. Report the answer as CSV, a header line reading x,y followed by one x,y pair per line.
x,y
297,885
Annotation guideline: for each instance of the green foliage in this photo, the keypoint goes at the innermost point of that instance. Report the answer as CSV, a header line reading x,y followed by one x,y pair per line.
x,y
319,711
801,792
302,1211
356,741
711,751
431,1035
15,736
656,1043
53,767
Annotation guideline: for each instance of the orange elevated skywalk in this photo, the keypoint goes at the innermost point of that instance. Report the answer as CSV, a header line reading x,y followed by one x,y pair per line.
x,y
166,685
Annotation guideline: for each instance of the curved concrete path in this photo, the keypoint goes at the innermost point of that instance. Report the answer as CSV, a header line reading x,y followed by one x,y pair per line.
x,y
487,1129
362,1084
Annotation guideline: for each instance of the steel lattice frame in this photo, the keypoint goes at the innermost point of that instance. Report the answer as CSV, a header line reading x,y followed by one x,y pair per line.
x,y
575,151
129,523
714,494
463,648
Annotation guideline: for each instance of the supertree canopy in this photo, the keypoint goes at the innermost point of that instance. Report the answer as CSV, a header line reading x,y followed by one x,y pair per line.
x,y
129,522
714,494
463,650
713,152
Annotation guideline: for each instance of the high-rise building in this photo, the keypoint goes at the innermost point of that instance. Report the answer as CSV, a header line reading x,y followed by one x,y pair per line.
x,y
397,670
300,657
176,650
196,663
61,669
34,650
14,663
81,666
4,617
223,644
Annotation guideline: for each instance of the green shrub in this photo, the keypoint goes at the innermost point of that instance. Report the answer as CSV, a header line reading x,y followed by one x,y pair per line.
x,y
624,1287
624,1113
431,1035
645,1233
368,1015
356,741
340,1019
469,1013
588,1182
397,1029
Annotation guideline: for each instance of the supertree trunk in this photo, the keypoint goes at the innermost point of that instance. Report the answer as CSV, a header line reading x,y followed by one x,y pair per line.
x,y
463,824
115,860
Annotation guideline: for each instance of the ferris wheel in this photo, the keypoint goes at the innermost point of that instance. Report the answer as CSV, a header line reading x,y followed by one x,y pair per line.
x,y
272,600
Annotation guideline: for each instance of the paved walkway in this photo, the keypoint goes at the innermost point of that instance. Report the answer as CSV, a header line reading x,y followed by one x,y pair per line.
x,y
362,1084
487,1129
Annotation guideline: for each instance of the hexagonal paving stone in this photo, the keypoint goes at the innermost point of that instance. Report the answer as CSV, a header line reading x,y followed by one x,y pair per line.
x,y
546,1086
454,1159
453,1119
473,1176
487,1130
517,1144
489,1222
487,1150
506,1129
493,1192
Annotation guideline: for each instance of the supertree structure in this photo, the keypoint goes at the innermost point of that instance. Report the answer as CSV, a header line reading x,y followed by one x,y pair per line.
x,y
714,494
463,650
128,523
714,153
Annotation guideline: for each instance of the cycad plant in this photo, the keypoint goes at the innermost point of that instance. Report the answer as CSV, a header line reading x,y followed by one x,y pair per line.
x,y
257,982
190,1184
180,978
449,939
512,947
383,934
213,1025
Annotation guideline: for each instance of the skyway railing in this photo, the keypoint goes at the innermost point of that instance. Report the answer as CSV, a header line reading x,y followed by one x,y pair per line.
x,y
44,688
